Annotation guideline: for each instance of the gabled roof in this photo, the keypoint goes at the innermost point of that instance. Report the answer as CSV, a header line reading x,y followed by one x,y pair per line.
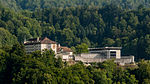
x,y
40,41
64,49
47,41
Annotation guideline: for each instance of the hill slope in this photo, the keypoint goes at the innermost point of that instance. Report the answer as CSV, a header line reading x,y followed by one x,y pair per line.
x,y
107,26
34,4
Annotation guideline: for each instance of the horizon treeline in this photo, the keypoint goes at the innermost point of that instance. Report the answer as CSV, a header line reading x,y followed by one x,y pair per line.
x,y
40,4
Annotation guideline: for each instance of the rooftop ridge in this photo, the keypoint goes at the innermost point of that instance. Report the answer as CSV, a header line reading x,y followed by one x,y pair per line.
x,y
41,40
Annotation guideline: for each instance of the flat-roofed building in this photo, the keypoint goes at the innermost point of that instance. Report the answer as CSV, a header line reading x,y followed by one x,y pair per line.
x,y
107,52
103,54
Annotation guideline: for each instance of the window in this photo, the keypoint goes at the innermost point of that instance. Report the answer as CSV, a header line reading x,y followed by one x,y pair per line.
x,y
113,53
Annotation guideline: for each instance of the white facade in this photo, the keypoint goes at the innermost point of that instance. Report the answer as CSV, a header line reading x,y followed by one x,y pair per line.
x,y
44,43
107,52
117,54
31,48
34,47
49,46
40,44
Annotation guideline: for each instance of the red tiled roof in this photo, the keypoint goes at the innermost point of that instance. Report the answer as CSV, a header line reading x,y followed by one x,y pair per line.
x,y
47,41
40,41
64,49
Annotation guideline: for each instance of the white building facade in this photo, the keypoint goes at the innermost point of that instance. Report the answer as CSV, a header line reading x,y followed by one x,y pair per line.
x,y
40,44
65,53
44,43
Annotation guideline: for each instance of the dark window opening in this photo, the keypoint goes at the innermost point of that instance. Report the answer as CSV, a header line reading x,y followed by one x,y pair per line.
x,y
113,53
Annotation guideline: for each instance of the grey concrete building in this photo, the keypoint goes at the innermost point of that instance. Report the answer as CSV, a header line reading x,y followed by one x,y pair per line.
x,y
104,53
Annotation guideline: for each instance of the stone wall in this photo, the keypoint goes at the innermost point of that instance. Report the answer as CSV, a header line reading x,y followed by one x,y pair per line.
x,y
89,55
125,60
89,58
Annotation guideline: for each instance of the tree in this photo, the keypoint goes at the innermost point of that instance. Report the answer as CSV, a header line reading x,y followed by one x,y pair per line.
x,y
22,34
59,63
123,77
6,39
143,73
82,48
108,42
109,66
100,77
14,61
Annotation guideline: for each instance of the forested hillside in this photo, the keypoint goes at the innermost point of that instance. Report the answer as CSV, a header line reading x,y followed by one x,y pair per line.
x,y
91,23
106,26
34,4
18,68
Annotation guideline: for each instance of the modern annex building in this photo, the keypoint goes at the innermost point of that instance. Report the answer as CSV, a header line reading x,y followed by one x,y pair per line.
x,y
103,54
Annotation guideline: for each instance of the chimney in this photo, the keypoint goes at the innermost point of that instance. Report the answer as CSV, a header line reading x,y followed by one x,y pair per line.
x,y
38,39
25,41
58,45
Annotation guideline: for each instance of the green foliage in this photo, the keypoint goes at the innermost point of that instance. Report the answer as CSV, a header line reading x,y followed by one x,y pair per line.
x,y
110,67
42,67
34,4
123,76
94,26
143,72
98,24
6,38
82,48
100,77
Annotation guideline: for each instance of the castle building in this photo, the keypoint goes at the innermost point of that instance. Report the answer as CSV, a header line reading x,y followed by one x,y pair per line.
x,y
40,44
45,43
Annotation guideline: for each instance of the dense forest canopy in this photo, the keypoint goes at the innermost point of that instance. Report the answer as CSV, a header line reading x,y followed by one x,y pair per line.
x,y
19,68
35,4
78,24
96,27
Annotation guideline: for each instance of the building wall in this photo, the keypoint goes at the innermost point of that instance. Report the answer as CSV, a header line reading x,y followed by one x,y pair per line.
x,y
125,60
34,47
65,57
71,53
106,53
102,53
31,48
54,47
89,60
90,56
45,46
118,53
122,61
49,46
